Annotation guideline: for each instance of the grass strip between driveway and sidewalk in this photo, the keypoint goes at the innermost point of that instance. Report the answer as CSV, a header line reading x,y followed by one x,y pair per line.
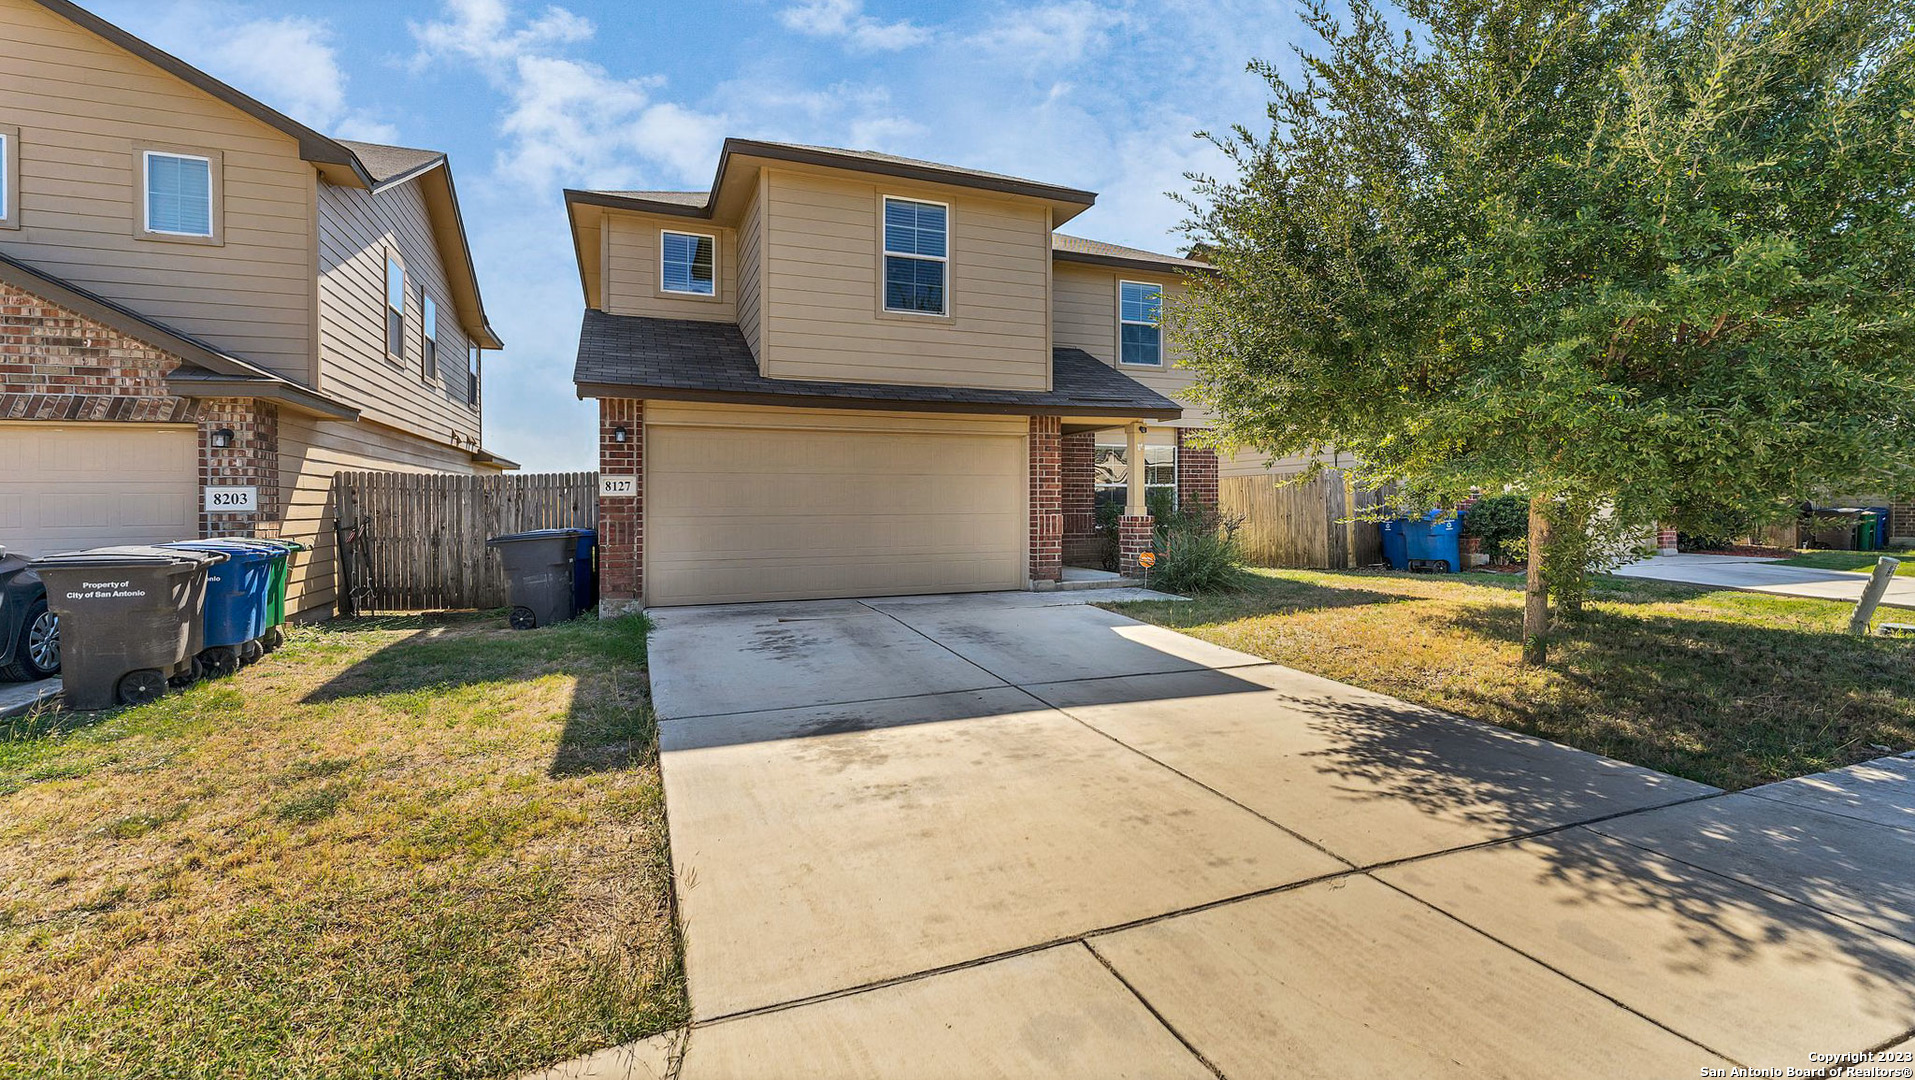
x,y
1728,688
394,848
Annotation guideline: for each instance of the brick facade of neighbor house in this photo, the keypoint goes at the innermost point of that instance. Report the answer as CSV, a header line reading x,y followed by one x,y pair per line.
x,y
251,461
621,519
1082,545
56,365
1666,540
1901,521
1047,499
1196,470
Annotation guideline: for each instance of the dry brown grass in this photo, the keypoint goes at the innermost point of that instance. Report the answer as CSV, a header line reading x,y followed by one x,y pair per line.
x,y
395,851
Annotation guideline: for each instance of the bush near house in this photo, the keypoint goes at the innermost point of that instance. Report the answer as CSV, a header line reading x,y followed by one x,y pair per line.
x,y
1501,523
1197,551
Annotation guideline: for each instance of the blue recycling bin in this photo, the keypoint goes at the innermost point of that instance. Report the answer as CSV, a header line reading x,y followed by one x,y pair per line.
x,y
585,572
1434,543
1395,543
1882,514
238,602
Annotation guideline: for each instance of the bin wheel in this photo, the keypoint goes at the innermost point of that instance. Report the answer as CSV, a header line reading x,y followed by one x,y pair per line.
x,y
220,661
250,652
273,639
140,687
195,671
523,619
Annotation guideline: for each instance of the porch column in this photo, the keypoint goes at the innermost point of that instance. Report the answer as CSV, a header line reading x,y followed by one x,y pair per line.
x,y
1135,530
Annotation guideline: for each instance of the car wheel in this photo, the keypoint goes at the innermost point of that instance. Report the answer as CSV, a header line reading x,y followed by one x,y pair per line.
x,y
36,655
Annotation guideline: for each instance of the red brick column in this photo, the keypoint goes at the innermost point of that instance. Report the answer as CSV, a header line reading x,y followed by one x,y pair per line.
x,y
1196,470
621,518
251,461
1082,545
1665,540
1047,499
1135,535
1901,521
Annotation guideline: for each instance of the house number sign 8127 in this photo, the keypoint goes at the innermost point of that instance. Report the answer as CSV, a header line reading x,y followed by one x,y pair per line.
x,y
617,486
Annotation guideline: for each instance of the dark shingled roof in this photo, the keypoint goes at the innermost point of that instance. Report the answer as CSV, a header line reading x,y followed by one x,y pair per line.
x,y
1078,249
689,360
385,163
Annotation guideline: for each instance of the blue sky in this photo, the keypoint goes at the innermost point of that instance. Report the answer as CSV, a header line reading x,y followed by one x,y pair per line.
x,y
532,97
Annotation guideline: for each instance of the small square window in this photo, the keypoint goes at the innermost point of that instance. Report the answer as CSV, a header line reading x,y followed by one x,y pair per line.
x,y
179,194
688,263
916,259
395,308
1140,324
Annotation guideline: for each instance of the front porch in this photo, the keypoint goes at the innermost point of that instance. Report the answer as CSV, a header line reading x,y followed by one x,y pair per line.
x,y
1107,510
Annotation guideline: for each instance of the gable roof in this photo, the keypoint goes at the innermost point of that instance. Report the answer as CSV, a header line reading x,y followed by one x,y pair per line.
x,y
208,370
694,360
352,164
1098,253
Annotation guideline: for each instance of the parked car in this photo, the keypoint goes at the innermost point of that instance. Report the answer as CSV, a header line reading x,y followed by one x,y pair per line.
x,y
29,633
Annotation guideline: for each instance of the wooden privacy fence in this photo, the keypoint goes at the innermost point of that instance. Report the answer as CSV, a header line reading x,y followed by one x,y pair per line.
x,y
1306,524
416,541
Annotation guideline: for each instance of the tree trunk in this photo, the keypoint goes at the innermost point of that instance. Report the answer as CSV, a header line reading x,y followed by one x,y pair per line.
x,y
1536,595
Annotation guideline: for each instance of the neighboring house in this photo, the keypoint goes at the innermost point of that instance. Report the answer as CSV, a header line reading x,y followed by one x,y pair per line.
x,y
841,373
207,309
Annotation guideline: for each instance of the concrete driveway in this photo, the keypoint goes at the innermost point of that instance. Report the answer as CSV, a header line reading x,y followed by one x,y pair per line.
x,y
1016,836
1755,574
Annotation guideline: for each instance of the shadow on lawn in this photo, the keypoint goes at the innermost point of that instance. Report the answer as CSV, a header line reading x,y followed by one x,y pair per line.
x,y
609,722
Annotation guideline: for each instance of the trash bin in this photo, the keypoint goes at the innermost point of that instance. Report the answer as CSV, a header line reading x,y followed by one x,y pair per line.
x,y
130,619
1434,544
540,568
1882,515
238,603
585,573
1395,550
283,551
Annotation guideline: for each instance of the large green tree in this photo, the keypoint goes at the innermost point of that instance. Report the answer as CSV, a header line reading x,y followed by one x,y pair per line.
x,y
1649,260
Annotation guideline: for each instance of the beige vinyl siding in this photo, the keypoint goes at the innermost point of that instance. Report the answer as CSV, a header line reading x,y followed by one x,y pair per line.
x,y
821,316
81,106
310,452
631,269
1252,463
751,249
1084,304
749,504
356,230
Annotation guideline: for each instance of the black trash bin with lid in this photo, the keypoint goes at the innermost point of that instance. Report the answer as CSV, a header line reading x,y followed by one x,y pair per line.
x,y
540,569
129,620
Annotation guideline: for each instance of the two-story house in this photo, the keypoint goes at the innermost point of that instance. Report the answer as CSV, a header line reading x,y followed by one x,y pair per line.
x,y
840,373
207,309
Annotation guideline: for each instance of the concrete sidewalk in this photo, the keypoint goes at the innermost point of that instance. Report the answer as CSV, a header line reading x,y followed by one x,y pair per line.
x,y
1015,836
1752,574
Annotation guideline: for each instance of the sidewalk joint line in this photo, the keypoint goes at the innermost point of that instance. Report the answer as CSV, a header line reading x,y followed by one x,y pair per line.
x,y
1161,1018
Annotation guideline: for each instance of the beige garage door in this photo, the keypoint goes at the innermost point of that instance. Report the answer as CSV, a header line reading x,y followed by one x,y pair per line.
x,y
68,486
748,504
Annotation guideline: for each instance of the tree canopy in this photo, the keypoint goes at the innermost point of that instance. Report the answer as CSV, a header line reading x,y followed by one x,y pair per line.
x,y
1653,256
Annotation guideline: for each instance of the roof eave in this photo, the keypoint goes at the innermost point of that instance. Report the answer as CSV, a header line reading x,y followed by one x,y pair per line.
x,y
645,206
1121,263
902,170
286,395
589,390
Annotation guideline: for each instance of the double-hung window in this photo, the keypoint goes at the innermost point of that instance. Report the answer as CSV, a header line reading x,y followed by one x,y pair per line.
x,y
178,192
916,256
429,365
472,360
688,263
9,177
1140,309
395,308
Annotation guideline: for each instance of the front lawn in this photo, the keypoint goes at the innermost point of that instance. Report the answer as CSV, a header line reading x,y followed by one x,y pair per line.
x,y
395,848
1860,561
1729,688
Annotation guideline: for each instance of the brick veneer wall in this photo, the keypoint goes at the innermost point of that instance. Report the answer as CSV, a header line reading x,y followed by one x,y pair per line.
x,y
621,519
56,365
1196,470
1901,522
1047,499
1082,545
252,460
1135,535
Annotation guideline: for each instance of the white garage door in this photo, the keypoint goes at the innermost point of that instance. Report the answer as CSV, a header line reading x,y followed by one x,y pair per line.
x,y
69,486
829,504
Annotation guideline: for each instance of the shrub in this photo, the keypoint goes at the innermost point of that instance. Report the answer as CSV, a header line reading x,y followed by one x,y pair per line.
x,y
1501,522
1197,551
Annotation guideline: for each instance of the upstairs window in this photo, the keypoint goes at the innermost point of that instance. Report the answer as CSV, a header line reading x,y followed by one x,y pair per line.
x,y
688,263
1140,310
430,365
9,177
916,256
395,308
472,360
179,194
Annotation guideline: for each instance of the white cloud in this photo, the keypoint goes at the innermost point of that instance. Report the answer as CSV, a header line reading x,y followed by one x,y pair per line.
x,y
846,19
1052,34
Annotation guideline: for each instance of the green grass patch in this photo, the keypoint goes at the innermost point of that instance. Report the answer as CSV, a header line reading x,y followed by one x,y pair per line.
x,y
1729,688
1859,561
397,848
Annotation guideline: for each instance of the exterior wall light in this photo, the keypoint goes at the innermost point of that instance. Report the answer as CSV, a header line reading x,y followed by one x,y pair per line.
x,y
222,439
619,434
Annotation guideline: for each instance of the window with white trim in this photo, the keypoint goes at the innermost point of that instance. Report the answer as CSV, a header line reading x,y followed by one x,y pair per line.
x,y
916,256
1140,309
688,263
429,365
9,151
1111,474
179,193
472,362
395,308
